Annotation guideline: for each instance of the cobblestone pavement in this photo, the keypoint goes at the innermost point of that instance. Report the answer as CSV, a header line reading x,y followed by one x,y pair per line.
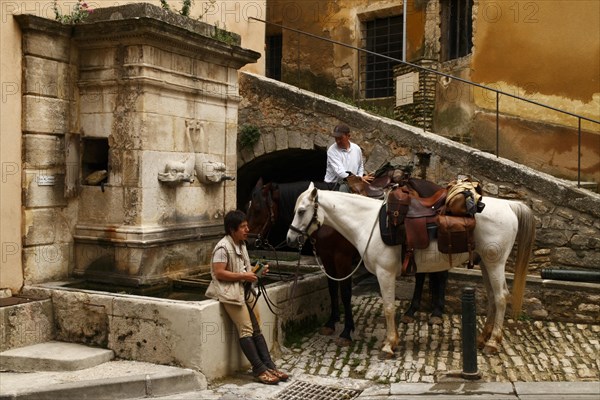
x,y
550,356
532,351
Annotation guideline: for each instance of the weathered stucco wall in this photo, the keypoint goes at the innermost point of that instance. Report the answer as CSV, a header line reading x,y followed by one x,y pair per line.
x,y
547,52
567,218
328,68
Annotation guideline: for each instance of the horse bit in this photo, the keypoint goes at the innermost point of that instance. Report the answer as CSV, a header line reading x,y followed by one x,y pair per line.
x,y
314,221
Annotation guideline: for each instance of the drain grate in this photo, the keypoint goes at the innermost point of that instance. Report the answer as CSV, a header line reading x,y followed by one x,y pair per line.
x,y
299,390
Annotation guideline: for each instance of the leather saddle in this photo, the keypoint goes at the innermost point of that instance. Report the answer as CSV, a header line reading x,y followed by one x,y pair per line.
x,y
405,219
375,189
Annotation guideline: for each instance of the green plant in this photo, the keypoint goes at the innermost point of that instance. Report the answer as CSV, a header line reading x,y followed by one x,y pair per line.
x,y
524,317
223,35
80,12
370,108
248,136
185,8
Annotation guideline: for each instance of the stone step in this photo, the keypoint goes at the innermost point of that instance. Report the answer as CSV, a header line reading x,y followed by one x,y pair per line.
x,y
53,356
110,380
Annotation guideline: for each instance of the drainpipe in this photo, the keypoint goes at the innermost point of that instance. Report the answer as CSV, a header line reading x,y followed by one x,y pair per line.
x,y
570,275
404,5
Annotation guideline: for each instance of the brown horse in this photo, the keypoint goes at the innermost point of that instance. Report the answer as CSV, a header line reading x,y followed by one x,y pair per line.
x,y
270,214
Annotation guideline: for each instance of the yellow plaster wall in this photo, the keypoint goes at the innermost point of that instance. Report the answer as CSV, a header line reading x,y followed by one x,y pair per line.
x,y
339,21
547,51
11,273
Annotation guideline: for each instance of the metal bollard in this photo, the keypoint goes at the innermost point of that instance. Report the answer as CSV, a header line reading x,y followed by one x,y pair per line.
x,y
469,332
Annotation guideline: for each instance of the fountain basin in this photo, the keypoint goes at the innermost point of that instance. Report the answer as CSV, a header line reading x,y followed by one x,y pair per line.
x,y
192,334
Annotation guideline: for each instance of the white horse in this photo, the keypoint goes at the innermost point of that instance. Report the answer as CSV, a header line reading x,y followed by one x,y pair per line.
x,y
497,227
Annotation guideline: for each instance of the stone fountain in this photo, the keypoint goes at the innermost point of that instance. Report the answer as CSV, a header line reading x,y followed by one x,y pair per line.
x,y
158,104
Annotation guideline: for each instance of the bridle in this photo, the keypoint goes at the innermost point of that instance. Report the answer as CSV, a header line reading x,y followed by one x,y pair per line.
x,y
313,221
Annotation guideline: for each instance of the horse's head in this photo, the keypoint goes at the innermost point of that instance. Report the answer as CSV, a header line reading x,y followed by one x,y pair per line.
x,y
262,211
306,217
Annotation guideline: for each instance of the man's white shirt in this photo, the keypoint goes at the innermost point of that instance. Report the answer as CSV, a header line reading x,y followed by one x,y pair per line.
x,y
341,160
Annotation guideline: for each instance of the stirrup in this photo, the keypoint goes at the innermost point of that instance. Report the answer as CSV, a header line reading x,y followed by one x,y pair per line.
x,y
267,378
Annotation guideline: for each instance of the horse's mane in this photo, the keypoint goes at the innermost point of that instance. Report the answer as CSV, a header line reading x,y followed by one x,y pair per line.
x,y
288,194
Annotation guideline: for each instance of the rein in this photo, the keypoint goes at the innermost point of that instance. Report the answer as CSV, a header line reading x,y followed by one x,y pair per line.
x,y
313,220
313,241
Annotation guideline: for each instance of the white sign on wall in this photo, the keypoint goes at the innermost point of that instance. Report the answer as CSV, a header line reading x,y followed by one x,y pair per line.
x,y
406,86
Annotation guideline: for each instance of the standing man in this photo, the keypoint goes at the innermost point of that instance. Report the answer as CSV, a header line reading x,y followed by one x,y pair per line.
x,y
344,158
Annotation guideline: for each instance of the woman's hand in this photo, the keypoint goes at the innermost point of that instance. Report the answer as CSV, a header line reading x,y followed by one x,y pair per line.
x,y
248,277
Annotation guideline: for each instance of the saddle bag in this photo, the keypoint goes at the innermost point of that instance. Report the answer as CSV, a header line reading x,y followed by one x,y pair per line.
x,y
464,197
391,217
455,234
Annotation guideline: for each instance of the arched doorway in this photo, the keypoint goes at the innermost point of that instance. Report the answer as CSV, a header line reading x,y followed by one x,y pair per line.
x,y
282,166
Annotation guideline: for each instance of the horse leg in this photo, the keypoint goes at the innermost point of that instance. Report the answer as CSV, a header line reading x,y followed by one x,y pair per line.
x,y
437,282
486,332
345,338
415,303
329,327
387,285
497,293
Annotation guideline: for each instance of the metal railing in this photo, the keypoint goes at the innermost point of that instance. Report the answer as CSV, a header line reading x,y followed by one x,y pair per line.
x,y
473,84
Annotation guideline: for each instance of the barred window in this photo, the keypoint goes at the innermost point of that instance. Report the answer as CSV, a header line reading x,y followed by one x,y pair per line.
x,y
382,36
457,28
273,57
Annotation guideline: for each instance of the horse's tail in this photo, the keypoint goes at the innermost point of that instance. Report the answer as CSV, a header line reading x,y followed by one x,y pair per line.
x,y
525,240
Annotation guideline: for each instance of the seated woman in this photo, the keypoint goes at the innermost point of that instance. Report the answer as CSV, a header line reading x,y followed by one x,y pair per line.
x,y
230,268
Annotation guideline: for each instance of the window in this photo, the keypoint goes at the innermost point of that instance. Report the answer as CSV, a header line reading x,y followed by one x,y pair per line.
x,y
457,28
382,36
95,156
273,57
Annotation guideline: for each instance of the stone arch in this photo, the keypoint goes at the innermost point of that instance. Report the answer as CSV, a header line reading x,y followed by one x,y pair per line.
x,y
286,165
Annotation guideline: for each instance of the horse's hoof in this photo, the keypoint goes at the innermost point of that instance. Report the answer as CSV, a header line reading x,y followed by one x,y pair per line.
x,y
344,342
384,355
490,350
480,343
327,331
387,352
407,319
435,320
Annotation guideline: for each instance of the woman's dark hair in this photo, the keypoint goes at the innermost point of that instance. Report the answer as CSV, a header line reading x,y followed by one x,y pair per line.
x,y
233,220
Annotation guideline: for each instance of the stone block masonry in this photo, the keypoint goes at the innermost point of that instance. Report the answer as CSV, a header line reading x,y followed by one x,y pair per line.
x,y
567,218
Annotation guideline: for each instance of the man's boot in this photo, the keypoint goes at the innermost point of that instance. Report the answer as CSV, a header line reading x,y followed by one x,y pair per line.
x,y
259,369
265,356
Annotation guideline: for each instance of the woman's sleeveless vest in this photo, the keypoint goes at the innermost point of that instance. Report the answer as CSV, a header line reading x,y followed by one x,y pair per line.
x,y
237,261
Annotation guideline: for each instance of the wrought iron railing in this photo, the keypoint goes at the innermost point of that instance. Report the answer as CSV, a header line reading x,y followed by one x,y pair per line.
x,y
497,92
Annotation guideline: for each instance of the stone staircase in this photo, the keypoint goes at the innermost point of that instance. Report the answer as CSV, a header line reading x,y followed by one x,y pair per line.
x,y
33,366
58,370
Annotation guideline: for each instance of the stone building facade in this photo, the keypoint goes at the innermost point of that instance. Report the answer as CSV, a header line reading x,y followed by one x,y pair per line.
x,y
523,49
567,218
129,142
56,98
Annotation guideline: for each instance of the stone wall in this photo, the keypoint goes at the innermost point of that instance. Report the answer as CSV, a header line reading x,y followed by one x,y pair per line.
x,y
419,96
129,127
567,218
49,117
545,300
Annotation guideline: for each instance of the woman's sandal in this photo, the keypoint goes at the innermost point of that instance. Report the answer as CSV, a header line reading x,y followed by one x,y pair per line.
x,y
282,376
267,378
